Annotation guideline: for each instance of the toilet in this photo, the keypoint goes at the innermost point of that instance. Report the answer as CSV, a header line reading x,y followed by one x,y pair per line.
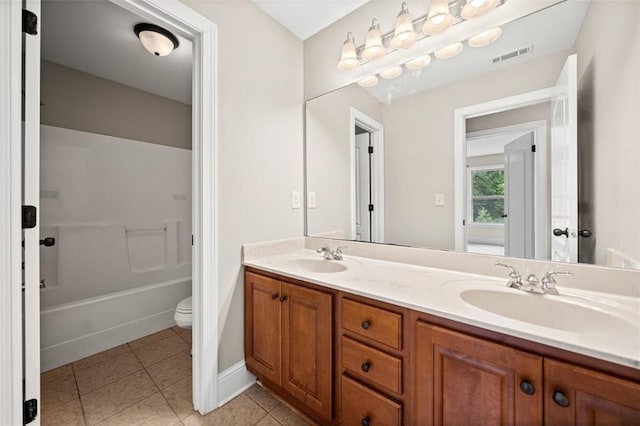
x,y
182,316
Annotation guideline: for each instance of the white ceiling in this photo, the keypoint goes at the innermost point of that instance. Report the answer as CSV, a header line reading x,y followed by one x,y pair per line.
x,y
304,18
491,144
97,37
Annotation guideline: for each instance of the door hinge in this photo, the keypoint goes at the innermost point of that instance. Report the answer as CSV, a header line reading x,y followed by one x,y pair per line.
x,y
191,239
533,148
370,207
370,150
29,216
464,222
29,22
29,411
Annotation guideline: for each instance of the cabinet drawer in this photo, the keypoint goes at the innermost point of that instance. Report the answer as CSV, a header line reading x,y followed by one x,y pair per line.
x,y
361,405
372,365
374,323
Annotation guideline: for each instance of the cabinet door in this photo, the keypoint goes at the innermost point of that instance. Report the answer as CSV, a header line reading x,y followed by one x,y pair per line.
x,y
577,396
461,379
307,347
262,326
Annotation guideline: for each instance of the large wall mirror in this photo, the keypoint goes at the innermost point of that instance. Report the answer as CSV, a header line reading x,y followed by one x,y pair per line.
x,y
528,147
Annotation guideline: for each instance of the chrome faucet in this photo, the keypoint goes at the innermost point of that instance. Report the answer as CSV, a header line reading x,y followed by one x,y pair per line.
x,y
546,285
330,254
515,279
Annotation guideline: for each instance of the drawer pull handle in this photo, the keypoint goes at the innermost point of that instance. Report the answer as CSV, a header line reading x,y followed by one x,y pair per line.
x,y
527,387
283,297
274,296
560,399
366,366
365,324
366,421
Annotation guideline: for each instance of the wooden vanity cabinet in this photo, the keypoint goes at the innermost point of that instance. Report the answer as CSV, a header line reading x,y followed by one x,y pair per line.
x,y
289,341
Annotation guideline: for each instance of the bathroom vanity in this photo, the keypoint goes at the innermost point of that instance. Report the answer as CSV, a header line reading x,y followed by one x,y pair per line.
x,y
372,342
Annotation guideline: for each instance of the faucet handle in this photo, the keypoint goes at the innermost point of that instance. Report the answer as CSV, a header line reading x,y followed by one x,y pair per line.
x,y
512,271
323,248
341,249
549,277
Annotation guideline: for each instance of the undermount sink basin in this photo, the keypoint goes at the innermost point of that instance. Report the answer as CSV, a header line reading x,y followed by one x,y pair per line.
x,y
316,265
548,312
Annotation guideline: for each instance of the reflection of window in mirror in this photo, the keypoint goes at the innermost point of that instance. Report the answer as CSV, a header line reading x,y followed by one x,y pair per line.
x,y
486,192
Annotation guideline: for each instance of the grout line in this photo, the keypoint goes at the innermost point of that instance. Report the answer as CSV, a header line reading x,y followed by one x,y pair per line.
x,y
75,379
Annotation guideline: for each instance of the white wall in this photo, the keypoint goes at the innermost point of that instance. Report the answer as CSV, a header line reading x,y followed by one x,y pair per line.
x,y
608,48
328,138
260,147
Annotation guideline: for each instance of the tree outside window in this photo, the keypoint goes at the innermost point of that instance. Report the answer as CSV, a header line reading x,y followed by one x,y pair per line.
x,y
487,195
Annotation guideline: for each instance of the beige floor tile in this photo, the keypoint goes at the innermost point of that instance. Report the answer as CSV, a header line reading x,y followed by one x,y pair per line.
x,y
287,417
114,368
152,411
151,338
167,372
241,411
184,333
159,350
100,357
268,421
114,398
262,397
59,391
67,414
179,396
56,373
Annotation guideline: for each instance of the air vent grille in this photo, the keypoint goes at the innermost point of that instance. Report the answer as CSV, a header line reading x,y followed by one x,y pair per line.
x,y
526,50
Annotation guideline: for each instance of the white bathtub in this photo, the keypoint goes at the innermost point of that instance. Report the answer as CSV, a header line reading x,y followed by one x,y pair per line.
x,y
72,331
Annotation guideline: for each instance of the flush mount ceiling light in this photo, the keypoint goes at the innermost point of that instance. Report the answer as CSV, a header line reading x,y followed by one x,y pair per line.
x,y
373,48
475,8
155,39
418,63
450,51
370,81
391,72
404,36
439,18
349,58
485,38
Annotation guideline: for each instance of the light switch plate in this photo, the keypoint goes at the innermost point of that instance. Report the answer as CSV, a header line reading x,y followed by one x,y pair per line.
x,y
439,200
295,199
311,200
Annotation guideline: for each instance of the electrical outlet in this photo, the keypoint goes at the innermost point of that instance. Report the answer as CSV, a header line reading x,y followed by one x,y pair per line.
x,y
295,199
311,200
439,200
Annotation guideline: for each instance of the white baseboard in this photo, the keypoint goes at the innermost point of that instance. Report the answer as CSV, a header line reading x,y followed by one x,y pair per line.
x,y
233,381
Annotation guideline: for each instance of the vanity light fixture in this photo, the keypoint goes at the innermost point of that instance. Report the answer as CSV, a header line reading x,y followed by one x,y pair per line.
x,y
157,40
475,8
439,18
404,35
449,52
370,81
392,72
373,48
485,38
418,63
349,58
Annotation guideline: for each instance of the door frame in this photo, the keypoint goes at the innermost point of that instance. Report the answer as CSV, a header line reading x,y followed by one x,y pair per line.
x,y
460,115
376,130
184,21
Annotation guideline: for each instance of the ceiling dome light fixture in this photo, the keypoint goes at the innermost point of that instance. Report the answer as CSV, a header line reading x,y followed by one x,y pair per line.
x,y
485,38
404,35
475,8
155,39
439,18
370,81
349,58
418,63
373,48
450,51
391,72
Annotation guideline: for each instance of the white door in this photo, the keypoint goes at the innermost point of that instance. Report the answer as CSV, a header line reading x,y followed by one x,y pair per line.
x,y
518,197
564,165
363,187
31,197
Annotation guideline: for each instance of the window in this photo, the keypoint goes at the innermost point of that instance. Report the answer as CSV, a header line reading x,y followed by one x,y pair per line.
x,y
486,193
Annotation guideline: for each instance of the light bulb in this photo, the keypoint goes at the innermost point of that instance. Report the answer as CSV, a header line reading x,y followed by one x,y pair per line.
x,y
485,38
373,48
439,18
475,8
370,81
404,35
450,51
391,72
418,63
349,58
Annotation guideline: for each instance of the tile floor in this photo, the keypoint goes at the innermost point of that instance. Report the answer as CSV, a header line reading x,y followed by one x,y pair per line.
x,y
147,382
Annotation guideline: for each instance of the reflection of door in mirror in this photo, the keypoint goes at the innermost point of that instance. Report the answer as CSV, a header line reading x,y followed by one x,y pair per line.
x,y
364,204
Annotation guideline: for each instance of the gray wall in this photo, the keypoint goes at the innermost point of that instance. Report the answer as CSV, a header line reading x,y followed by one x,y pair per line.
x,y
76,100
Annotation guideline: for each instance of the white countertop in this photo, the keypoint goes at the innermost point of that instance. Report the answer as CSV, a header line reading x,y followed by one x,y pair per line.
x,y
611,334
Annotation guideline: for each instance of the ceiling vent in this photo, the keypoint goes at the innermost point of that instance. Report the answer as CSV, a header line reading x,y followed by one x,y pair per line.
x,y
513,54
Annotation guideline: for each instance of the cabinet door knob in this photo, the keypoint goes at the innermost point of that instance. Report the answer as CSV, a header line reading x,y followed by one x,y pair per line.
x,y
527,387
283,297
365,324
274,296
365,367
560,399
366,421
